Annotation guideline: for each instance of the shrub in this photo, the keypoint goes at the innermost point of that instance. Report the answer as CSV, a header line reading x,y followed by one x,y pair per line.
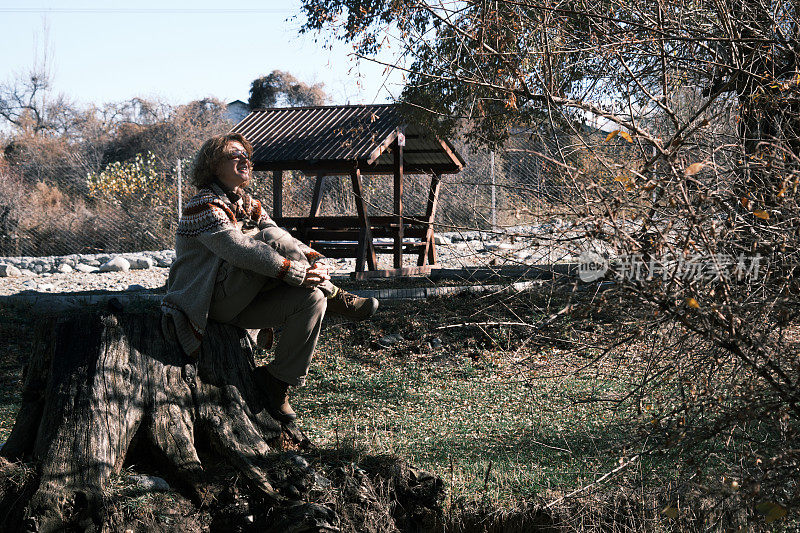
x,y
133,182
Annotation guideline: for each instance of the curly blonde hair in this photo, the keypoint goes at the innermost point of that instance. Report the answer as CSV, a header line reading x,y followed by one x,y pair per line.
x,y
211,154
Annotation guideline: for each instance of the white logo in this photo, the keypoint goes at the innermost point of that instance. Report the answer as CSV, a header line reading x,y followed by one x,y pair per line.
x,y
591,266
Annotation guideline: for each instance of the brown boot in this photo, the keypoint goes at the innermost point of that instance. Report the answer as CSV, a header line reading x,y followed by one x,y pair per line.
x,y
352,306
276,392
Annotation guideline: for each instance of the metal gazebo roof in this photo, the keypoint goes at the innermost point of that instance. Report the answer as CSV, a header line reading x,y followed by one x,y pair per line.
x,y
340,138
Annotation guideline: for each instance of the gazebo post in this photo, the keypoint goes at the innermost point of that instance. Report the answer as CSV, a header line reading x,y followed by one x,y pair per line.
x,y
428,253
316,203
398,145
365,247
316,200
277,194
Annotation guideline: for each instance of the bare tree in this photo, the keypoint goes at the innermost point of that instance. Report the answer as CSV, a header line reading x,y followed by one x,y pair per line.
x,y
22,102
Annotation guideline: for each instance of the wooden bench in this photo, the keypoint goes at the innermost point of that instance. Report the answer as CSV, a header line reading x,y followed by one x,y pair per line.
x,y
343,236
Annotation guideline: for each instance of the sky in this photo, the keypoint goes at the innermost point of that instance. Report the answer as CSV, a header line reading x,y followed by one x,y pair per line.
x,y
178,51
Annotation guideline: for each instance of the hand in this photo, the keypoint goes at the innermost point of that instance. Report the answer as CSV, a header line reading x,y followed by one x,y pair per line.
x,y
315,275
322,265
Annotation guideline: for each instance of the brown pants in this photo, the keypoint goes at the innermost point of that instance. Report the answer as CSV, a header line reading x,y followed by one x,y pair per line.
x,y
252,301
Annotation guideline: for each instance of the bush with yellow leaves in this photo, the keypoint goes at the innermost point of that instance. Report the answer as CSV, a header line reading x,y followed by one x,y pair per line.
x,y
134,182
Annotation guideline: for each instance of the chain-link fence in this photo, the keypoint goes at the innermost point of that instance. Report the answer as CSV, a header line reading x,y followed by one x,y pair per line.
x,y
62,217
57,207
517,184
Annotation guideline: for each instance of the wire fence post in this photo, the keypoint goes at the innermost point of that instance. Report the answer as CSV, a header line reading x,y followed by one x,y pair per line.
x,y
180,190
494,197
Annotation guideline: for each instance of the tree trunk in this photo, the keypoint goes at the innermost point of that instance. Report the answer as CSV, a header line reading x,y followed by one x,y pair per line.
x,y
97,379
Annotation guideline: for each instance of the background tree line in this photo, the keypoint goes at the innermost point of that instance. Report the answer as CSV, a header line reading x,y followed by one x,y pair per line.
x,y
87,178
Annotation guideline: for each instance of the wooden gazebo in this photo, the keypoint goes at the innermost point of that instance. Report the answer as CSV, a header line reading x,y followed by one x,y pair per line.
x,y
353,140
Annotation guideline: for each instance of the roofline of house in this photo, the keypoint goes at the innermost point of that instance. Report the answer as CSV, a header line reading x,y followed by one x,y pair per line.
x,y
340,106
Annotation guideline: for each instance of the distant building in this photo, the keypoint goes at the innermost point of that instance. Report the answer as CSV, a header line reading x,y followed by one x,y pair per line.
x,y
236,111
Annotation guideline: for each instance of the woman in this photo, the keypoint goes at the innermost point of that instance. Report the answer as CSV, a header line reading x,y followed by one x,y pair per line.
x,y
234,265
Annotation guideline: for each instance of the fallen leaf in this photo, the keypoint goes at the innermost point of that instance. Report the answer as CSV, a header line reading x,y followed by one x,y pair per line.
x,y
771,511
691,302
760,213
694,168
611,135
670,512
511,102
626,136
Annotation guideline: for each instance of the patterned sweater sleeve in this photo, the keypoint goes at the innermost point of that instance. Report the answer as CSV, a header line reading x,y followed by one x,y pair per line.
x,y
260,216
263,220
211,222
312,256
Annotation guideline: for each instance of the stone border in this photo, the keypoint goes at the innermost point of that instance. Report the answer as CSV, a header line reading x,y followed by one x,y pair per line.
x,y
53,303
533,274
87,263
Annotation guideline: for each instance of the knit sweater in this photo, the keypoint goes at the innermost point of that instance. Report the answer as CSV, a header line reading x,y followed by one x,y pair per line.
x,y
209,232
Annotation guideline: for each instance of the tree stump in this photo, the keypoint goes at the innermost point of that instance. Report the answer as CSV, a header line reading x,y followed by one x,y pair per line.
x,y
99,378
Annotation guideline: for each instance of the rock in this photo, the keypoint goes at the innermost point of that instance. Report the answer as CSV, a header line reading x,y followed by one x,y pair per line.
x,y
436,342
91,262
136,287
299,461
150,483
26,272
118,264
491,246
64,268
164,262
7,271
321,481
441,239
30,284
46,287
86,269
140,263
304,517
390,340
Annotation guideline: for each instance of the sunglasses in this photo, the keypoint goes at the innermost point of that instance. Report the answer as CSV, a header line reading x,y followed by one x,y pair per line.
x,y
238,154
